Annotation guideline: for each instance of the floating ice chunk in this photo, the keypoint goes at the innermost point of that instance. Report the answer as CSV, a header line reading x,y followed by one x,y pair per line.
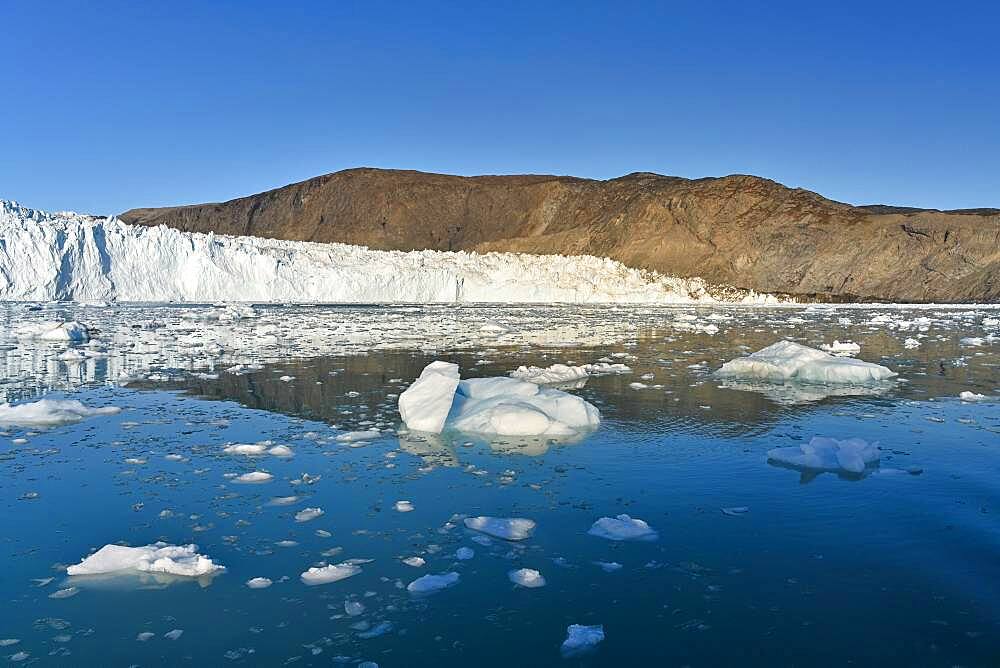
x,y
181,560
608,566
403,506
281,451
851,455
255,477
379,629
500,406
786,360
513,528
623,527
424,405
910,344
145,635
415,562
464,553
259,583
352,436
308,514
49,412
327,574
527,577
842,348
557,373
580,639
72,331
65,593
428,584
606,369
972,396
174,635
510,407
735,511
246,448
283,501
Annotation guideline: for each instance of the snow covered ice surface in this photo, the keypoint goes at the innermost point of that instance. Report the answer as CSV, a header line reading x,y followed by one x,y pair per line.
x,y
181,560
499,406
787,360
623,527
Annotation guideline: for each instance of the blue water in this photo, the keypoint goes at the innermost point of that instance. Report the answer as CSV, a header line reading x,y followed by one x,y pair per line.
x,y
894,568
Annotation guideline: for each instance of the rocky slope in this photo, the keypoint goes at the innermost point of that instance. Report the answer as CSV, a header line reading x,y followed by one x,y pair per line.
x,y
743,231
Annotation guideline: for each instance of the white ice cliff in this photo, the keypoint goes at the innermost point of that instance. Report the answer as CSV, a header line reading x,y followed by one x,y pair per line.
x,y
69,256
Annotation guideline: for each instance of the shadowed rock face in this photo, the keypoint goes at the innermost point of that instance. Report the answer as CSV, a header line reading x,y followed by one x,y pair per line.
x,y
743,231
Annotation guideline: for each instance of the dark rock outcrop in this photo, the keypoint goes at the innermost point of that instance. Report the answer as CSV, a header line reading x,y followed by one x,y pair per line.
x,y
737,230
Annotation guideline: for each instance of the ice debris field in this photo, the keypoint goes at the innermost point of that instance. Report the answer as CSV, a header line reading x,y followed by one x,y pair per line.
x,y
416,485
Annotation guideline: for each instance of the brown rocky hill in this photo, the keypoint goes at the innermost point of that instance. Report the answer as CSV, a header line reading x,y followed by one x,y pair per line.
x,y
743,231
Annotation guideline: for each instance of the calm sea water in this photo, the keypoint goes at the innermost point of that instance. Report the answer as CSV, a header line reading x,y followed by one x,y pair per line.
x,y
898,567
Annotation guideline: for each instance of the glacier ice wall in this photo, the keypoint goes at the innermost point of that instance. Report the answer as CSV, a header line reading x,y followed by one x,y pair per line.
x,y
70,256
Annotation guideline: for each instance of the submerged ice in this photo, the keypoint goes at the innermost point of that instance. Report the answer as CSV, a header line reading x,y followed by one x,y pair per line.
x,y
851,455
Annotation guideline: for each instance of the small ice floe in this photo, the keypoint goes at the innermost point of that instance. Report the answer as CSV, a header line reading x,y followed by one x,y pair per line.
x,y
429,584
403,506
606,368
280,451
851,455
72,331
173,635
65,593
842,348
284,500
556,374
254,478
581,639
638,386
972,397
786,360
287,379
250,449
353,608
608,566
145,636
379,629
180,560
464,553
508,528
623,527
910,344
415,562
495,406
526,577
354,436
259,583
331,573
308,514
72,356
735,511
49,412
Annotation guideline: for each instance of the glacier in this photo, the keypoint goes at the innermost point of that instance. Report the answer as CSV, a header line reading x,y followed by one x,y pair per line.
x,y
68,256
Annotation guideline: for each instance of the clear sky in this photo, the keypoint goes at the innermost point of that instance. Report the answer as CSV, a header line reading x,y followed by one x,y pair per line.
x,y
107,106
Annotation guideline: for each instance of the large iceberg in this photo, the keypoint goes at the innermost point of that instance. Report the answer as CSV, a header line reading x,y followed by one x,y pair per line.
x,y
494,406
69,256
180,560
790,361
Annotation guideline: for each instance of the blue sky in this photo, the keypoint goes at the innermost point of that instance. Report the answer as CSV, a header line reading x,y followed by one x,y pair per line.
x,y
108,106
